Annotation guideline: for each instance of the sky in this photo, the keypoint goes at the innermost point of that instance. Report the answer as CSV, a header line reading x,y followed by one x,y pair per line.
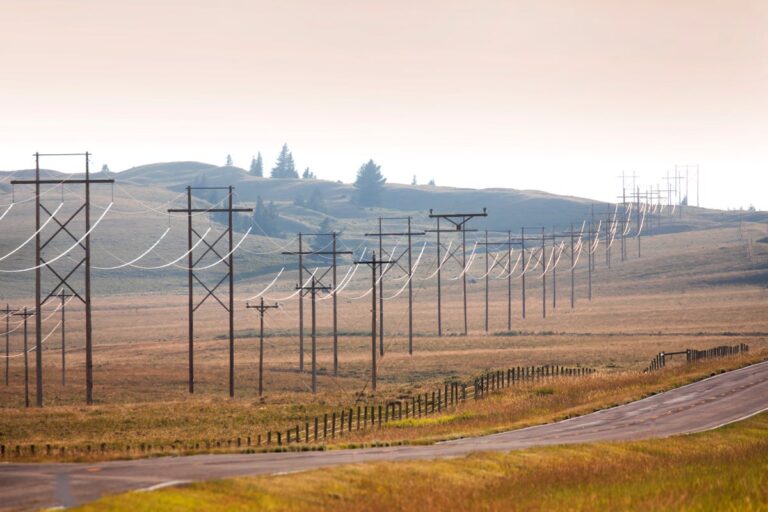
x,y
555,95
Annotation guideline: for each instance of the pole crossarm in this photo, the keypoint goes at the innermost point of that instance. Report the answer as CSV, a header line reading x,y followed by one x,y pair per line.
x,y
61,182
209,210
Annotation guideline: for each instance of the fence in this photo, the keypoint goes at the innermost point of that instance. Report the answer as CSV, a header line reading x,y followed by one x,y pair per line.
x,y
321,429
692,355
451,394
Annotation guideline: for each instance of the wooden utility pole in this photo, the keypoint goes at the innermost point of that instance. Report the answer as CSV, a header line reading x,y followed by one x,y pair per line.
x,y
573,269
192,276
459,221
507,243
395,260
63,295
301,306
8,313
332,269
261,308
373,263
312,289
554,270
589,261
63,278
26,314
522,242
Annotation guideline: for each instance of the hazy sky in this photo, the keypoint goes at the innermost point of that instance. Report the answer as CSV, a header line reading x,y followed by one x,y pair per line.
x,y
555,95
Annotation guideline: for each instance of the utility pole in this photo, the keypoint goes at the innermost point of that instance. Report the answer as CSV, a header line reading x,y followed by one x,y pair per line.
x,y
459,221
554,270
63,295
8,313
313,289
573,268
373,263
395,260
261,308
508,243
332,269
543,276
227,259
63,278
301,306
639,221
522,242
26,314
589,260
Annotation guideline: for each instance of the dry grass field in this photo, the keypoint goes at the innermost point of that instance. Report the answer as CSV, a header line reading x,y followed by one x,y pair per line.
x,y
695,289
693,472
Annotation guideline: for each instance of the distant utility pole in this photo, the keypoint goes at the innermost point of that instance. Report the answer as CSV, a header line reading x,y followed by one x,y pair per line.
x,y
508,245
26,314
554,270
313,289
573,267
63,295
8,313
63,278
262,308
373,263
522,245
227,259
380,234
334,253
543,238
589,258
697,186
459,221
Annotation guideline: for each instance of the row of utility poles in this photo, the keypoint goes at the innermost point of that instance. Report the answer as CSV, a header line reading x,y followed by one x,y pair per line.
x,y
380,263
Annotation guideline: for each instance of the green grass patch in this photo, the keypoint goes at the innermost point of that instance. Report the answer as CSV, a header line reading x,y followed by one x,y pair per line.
x,y
427,422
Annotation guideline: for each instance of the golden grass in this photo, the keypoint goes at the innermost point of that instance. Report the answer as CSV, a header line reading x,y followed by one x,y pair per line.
x,y
198,422
660,302
724,469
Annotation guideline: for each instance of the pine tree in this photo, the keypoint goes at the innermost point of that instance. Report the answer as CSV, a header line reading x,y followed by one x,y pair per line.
x,y
105,169
265,218
257,166
413,181
369,184
229,161
284,167
321,241
308,175
431,182
316,201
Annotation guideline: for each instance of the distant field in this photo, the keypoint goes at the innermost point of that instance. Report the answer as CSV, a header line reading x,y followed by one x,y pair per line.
x,y
689,290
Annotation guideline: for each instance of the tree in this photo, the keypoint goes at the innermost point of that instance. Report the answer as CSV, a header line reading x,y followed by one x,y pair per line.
x,y
413,181
369,184
265,218
284,167
229,161
432,182
316,201
308,175
105,169
257,166
322,238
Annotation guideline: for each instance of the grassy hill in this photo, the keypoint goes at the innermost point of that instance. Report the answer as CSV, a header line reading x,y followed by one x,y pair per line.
x,y
141,196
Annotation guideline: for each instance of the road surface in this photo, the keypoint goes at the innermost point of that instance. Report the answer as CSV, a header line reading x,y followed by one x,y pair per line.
x,y
703,405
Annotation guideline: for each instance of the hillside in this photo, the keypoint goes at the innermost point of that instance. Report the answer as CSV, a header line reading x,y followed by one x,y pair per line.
x,y
142,195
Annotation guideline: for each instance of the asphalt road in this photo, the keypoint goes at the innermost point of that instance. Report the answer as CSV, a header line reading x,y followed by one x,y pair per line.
x,y
700,406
